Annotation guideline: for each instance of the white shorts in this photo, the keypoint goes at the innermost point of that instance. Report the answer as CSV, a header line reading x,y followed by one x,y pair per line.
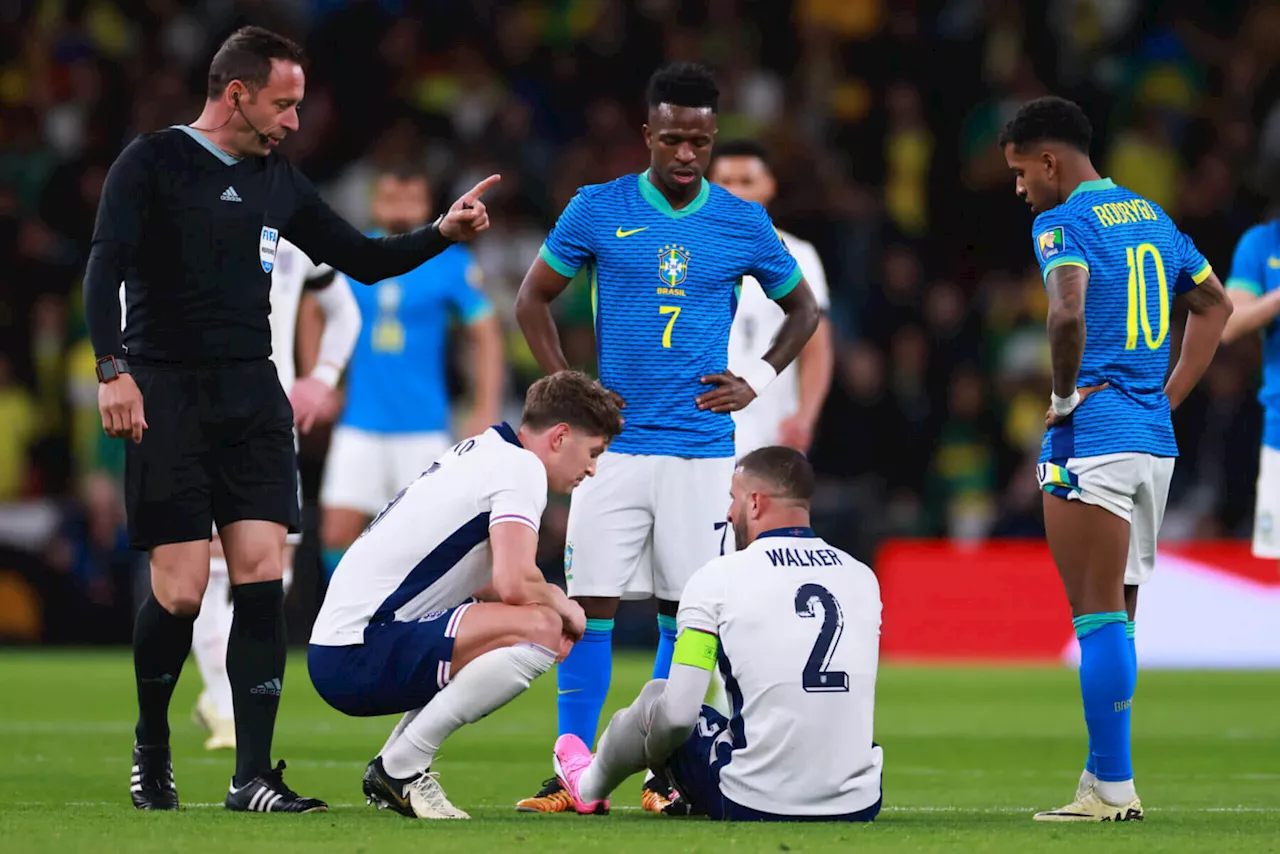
x,y
754,429
365,470
1266,542
644,524
1135,487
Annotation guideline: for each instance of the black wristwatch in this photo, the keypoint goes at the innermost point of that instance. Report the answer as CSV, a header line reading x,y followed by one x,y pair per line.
x,y
110,368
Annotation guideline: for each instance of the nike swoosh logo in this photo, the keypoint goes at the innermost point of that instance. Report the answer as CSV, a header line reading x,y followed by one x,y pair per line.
x,y
621,233
567,690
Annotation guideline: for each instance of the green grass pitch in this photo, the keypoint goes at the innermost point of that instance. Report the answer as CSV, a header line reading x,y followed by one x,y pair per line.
x,y
970,753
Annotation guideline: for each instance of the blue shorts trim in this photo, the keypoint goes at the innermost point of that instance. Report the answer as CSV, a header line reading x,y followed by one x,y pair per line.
x,y
694,770
398,668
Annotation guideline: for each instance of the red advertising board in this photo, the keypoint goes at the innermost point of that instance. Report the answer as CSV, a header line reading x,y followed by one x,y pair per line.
x,y
1002,601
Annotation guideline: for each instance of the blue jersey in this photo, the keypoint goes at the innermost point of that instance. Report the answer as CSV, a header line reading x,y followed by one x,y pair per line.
x,y
1256,269
396,379
1137,261
664,287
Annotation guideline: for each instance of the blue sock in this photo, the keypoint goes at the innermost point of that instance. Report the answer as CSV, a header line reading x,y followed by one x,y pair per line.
x,y
1107,676
1130,630
1091,764
330,558
666,646
583,681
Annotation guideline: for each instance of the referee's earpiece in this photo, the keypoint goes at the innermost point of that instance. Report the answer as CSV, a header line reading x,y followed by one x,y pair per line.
x,y
262,137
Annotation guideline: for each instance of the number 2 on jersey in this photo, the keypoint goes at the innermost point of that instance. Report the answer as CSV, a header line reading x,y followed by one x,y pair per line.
x,y
674,311
1137,258
816,678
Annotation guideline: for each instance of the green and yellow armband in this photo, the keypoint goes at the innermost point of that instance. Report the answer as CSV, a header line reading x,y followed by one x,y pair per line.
x,y
696,648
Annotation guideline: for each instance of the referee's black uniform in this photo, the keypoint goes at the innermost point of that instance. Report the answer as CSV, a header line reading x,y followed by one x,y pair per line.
x,y
192,233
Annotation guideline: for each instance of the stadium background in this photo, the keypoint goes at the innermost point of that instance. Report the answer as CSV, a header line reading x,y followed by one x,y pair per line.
x,y
883,117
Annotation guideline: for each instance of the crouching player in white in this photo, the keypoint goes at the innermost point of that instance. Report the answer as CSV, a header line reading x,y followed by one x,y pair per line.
x,y
401,630
293,277
794,625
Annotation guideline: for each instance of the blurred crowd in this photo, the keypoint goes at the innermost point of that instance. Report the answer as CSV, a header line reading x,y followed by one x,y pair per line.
x,y
882,116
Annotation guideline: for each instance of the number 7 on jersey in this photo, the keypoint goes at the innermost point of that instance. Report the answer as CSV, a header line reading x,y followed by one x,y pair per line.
x,y
674,311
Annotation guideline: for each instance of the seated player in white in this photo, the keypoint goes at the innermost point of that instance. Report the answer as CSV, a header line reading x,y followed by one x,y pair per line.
x,y
794,625
438,610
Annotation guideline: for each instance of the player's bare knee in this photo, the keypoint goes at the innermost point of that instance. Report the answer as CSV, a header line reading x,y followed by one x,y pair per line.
x,y
180,598
255,567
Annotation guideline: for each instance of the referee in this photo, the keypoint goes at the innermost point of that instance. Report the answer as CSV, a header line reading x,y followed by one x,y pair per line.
x,y
189,220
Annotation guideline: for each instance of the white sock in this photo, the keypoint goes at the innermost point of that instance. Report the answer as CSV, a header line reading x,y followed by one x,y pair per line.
x,y
620,752
1087,779
1118,793
400,728
209,638
487,683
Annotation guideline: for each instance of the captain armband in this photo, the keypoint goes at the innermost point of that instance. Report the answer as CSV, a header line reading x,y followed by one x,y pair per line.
x,y
696,648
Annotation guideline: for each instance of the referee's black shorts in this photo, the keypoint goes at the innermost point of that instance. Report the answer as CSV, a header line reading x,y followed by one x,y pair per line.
x,y
219,448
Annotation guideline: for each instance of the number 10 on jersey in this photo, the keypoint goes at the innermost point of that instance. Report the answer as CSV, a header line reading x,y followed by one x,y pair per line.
x,y
1138,310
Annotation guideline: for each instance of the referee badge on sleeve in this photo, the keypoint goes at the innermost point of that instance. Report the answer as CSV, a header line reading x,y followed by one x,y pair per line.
x,y
267,247
1051,243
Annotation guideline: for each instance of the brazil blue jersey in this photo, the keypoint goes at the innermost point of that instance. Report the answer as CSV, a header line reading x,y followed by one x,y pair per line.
x,y
664,288
1137,261
1256,269
396,378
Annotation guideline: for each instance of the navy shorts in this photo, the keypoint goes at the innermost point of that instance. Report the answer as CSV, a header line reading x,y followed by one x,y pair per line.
x,y
398,668
694,770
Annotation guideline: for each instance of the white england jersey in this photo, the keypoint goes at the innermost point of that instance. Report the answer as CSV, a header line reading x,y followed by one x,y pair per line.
x,y
428,550
799,628
755,324
292,270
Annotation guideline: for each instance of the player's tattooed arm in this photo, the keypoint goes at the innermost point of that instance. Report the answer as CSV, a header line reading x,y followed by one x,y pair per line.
x,y
1066,286
1065,324
1208,311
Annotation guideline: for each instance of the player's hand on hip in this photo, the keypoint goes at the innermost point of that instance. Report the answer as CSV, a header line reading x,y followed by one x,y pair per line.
x,y
468,216
120,403
796,433
313,401
731,393
1052,418
617,398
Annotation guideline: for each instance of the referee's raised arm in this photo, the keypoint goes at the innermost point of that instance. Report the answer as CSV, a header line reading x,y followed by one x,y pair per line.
x,y
326,237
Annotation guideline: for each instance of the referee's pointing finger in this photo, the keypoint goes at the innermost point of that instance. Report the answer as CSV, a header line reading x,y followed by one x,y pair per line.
x,y
473,195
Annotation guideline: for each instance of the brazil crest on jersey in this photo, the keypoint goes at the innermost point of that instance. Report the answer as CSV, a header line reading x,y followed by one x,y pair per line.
x,y
1137,261
664,287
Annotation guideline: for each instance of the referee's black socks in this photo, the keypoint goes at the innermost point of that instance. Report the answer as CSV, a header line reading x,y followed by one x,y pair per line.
x,y
161,642
255,667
